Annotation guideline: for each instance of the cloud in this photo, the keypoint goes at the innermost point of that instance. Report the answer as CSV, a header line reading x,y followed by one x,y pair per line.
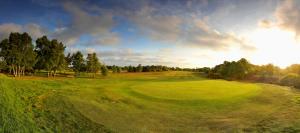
x,y
90,50
159,22
265,23
6,29
288,15
183,30
130,57
106,40
200,34
98,25
157,26
34,30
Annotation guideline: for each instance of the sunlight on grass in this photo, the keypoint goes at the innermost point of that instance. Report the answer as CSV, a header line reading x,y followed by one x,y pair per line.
x,y
145,102
197,90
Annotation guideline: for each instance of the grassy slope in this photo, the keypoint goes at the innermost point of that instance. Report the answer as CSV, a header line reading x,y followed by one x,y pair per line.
x,y
39,106
131,103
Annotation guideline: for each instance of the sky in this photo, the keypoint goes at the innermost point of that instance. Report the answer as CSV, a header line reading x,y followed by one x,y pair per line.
x,y
183,33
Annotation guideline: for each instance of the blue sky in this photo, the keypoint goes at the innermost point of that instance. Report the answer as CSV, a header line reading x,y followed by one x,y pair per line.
x,y
184,33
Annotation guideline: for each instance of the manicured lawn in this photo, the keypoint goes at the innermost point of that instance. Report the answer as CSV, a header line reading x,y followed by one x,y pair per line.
x,y
145,102
196,90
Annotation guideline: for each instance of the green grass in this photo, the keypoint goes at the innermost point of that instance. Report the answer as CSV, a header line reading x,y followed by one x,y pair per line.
x,y
196,90
145,102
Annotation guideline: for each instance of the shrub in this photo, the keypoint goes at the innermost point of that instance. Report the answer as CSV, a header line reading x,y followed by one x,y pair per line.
x,y
104,70
291,80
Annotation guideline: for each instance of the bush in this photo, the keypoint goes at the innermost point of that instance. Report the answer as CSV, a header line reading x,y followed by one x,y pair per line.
x,y
104,70
291,80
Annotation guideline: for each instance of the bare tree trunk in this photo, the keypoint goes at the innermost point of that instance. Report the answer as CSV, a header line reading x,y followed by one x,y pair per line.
x,y
14,71
19,71
10,69
54,73
23,74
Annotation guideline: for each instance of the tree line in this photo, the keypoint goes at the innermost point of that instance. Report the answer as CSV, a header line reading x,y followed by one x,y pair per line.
x,y
18,55
146,68
244,70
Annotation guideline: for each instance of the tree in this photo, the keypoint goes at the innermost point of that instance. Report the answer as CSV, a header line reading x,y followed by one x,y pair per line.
x,y
119,69
57,57
3,65
93,65
130,69
50,55
6,54
243,68
29,56
43,54
231,70
114,69
77,62
17,52
68,60
295,68
104,70
139,68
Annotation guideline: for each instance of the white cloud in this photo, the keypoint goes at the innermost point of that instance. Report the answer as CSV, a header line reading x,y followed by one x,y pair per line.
x,y
122,57
157,27
90,50
97,25
184,30
288,15
6,29
34,30
200,34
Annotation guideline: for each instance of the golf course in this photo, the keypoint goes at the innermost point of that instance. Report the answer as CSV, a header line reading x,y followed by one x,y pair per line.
x,y
174,101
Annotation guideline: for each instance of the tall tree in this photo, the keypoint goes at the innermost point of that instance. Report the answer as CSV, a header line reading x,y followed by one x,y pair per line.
x,y
57,57
68,60
77,62
43,54
232,70
93,65
50,55
29,56
17,52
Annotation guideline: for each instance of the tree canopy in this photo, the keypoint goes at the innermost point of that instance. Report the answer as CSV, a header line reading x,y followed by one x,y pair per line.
x,y
77,62
17,52
50,55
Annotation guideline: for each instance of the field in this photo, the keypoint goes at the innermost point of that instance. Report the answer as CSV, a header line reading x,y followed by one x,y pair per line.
x,y
146,102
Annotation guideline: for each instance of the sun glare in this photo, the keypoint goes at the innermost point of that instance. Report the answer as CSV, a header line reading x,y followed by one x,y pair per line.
x,y
275,46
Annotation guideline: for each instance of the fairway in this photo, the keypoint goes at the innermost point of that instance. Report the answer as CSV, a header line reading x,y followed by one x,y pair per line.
x,y
146,102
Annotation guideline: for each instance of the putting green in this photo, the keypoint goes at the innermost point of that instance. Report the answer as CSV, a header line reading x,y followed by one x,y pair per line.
x,y
196,90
